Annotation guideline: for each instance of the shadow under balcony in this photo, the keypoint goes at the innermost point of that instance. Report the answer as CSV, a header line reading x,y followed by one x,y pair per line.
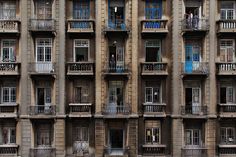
x,y
112,110
80,110
194,152
42,111
227,150
154,110
153,27
190,68
227,27
116,152
8,110
154,69
80,68
82,26
154,150
117,27
9,68
227,110
195,26
42,68
189,111
43,152
8,150
42,26
9,26
226,69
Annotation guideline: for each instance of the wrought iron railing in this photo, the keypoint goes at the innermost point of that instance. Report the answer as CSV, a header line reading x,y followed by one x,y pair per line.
x,y
227,150
9,67
8,149
80,108
195,24
190,67
42,110
194,152
116,25
112,108
227,108
9,26
80,25
42,25
154,149
42,67
8,108
80,147
154,68
43,152
194,110
80,68
157,25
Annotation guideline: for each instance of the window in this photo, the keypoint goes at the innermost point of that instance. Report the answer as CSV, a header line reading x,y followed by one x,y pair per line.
x,y
44,134
81,94
8,9
7,135
192,137
227,11
227,51
153,9
226,95
116,13
81,134
8,50
81,50
152,95
81,9
153,51
43,50
227,135
43,9
8,94
152,132
43,96
116,92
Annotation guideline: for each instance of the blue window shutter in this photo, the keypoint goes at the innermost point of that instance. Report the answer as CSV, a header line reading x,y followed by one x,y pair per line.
x,y
188,58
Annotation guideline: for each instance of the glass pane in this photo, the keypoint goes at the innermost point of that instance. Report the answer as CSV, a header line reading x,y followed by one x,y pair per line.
x,y
13,95
47,54
156,95
223,135
81,54
40,54
148,95
48,95
148,135
188,138
229,95
81,9
6,94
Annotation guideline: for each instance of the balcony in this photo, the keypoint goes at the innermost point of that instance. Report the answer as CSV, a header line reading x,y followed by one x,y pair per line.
x,y
9,68
42,68
8,150
80,68
154,150
119,27
154,27
226,68
154,68
116,152
9,26
226,26
116,70
227,150
42,110
80,148
194,111
80,26
154,109
8,110
80,110
42,25
43,152
194,152
113,110
227,110
195,26
195,68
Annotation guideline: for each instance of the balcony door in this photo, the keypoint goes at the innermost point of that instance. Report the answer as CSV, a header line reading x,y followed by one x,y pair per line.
x,y
227,95
116,13
116,58
192,57
8,50
116,141
227,10
153,9
43,9
7,9
43,99
81,9
227,50
192,100
81,50
116,94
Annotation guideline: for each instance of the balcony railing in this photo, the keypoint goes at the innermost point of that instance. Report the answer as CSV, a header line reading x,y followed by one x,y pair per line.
x,y
43,152
42,110
8,110
9,26
227,108
117,25
226,68
154,26
9,68
42,68
80,148
154,149
9,149
227,26
116,152
42,25
80,68
113,109
80,26
154,68
198,68
227,150
194,152
154,108
194,110
195,24
79,109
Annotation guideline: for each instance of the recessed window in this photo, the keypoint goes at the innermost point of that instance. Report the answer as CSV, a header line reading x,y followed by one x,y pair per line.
x,y
81,50
227,11
227,135
153,51
44,134
152,132
81,9
7,9
227,50
8,50
153,9
43,9
192,137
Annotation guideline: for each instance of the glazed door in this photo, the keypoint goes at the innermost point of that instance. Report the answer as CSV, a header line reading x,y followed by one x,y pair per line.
x,y
188,59
119,59
195,100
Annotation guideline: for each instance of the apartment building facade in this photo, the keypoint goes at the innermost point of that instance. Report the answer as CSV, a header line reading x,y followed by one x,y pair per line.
x,y
117,78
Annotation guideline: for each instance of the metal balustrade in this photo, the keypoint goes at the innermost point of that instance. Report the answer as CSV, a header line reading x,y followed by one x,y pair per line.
x,y
9,68
157,25
194,110
43,152
227,108
227,151
8,108
111,109
42,25
190,67
8,149
42,110
194,152
116,25
80,108
74,68
195,24
154,149
154,68
9,26
154,108
227,25
42,67
80,25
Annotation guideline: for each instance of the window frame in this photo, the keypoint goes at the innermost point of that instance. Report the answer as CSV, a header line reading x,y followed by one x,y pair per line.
x,y
81,46
152,43
50,46
45,90
156,7
227,10
225,49
81,6
152,94
46,129
11,49
191,138
10,90
151,125
81,134
10,11
47,12
225,140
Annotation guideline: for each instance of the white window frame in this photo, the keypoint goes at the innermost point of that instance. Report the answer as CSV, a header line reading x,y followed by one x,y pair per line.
x,y
11,49
84,43
152,94
226,139
225,48
190,141
9,135
151,125
10,89
9,10
228,9
47,11
227,94
44,49
154,44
